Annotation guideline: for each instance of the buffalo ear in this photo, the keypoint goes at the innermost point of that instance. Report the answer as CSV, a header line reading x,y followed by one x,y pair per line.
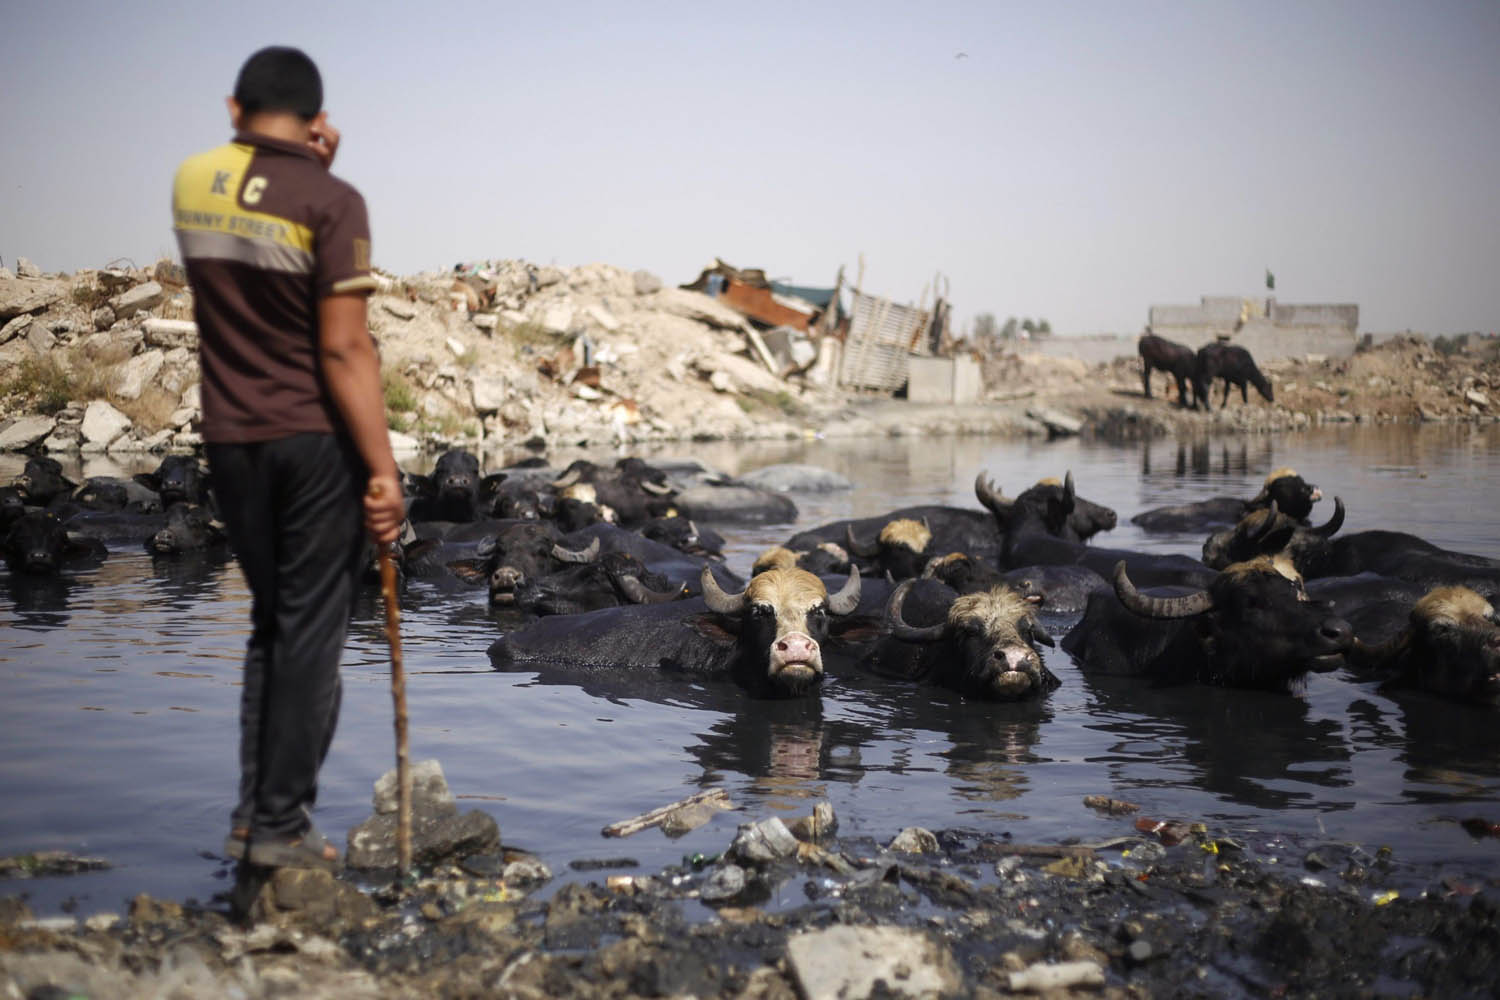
x,y
421,486
488,484
468,570
1041,635
150,480
721,629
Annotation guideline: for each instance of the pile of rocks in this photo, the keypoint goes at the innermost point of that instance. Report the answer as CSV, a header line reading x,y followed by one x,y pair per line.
x,y
117,341
499,352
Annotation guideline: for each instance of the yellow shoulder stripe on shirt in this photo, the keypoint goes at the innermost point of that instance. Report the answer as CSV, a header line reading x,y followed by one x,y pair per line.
x,y
211,224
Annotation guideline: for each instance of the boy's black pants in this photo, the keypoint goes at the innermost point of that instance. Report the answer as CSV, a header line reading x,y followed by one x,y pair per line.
x,y
293,514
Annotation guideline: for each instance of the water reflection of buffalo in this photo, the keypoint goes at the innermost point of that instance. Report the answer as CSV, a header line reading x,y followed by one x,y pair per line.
x,y
767,638
1251,628
1248,747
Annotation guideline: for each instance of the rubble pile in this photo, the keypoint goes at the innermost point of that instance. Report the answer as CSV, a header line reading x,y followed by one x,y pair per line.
x,y
104,360
510,352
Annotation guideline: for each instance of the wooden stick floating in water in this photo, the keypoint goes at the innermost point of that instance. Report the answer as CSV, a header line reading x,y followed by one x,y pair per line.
x,y
713,796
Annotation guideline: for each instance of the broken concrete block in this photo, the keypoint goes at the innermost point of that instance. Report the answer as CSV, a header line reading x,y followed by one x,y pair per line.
x,y
841,962
146,296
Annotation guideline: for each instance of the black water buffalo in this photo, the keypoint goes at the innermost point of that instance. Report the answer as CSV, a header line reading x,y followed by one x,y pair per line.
x,y
767,638
12,506
188,528
1270,532
179,478
38,544
632,489
680,568
1051,506
1252,628
964,574
110,493
519,552
819,560
608,581
1450,646
1321,552
1037,536
1293,496
451,493
982,645
953,529
42,481
901,549
683,534
1234,365
1177,360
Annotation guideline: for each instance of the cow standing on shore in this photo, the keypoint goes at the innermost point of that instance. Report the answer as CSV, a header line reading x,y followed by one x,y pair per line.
x,y
1177,360
1235,366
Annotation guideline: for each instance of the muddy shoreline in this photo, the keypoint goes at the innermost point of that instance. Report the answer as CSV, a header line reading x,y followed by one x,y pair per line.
x,y
1208,914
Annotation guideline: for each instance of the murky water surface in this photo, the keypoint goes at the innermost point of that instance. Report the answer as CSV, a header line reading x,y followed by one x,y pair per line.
x,y
119,693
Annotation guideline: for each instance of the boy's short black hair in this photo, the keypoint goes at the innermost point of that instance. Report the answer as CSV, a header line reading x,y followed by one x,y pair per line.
x,y
279,78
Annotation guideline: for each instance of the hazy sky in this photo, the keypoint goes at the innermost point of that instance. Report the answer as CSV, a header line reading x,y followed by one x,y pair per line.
x,y
1081,161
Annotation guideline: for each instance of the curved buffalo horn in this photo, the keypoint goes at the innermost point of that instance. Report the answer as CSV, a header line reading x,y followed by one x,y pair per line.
x,y
716,599
567,478
990,495
899,628
639,593
656,489
847,598
1335,522
1159,607
930,570
1068,493
586,555
858,548
1267,525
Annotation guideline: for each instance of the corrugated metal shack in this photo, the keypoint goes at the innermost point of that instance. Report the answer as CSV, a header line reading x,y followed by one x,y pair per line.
x,y
865,345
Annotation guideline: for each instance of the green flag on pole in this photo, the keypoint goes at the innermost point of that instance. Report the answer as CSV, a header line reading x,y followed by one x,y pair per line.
x,y
1270,280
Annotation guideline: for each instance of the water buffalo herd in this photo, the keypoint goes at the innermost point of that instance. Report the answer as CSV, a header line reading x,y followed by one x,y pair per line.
x,y
613,568
1196,371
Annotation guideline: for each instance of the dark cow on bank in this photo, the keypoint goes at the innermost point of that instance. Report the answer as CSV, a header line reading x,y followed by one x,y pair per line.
x,y
1235,366
1177,360
768,638
982,645
1252,628
1450,646
1293,496
38,544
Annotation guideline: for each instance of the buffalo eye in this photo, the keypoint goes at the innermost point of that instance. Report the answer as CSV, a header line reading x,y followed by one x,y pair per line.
x,y
761,610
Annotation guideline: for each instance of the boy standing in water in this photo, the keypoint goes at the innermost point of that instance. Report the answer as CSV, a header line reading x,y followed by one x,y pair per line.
x,y
277,251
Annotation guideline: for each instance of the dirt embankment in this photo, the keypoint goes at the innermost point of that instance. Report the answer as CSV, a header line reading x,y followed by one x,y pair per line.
x,y
104,360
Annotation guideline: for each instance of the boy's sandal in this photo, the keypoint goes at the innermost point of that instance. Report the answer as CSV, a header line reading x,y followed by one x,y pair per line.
x,y
235,843
307,850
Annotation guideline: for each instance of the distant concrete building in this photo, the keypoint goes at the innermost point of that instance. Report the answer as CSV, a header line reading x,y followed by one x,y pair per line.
x,y
1267,328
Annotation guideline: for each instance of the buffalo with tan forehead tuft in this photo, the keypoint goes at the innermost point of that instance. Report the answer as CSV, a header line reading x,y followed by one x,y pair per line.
x,y
983,645
1449,647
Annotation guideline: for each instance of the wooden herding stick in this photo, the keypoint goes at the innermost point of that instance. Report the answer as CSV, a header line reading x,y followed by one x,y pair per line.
x,y
398,695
